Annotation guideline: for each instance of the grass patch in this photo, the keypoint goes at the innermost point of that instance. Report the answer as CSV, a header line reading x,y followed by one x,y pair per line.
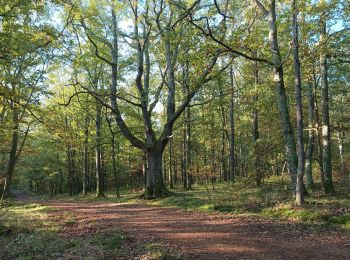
x,y
157,251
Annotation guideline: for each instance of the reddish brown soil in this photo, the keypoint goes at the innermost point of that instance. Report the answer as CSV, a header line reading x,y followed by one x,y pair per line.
x,y
206,235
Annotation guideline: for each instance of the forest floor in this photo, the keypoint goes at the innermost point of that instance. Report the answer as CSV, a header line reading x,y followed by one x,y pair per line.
x,y
143,231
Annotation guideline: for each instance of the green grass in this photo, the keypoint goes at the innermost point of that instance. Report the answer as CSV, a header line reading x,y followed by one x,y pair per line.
x,y
156,251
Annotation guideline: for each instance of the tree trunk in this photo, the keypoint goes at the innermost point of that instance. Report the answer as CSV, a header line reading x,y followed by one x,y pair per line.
x,y
13,158
183,160
282,100
255,127
188,150
164,163
223,155
175,171
232,129
60,184
311,142
299,192
98,152
171,165
155,185
187,170
340,136
319,133
114,166
86,155
104,170
71,170
326,135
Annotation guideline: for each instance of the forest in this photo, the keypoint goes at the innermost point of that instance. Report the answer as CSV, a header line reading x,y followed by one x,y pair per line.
x,y
169,111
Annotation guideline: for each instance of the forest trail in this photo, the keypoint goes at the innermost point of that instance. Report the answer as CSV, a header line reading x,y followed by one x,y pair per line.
x,y
197,235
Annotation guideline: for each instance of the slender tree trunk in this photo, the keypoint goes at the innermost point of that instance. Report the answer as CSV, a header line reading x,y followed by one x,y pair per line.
x,y
104,171
114,166
144,170
13,158
299,192
187,170
171,165
71,170
340,136
282,100
232,129
223,155
311,140
86,155
175,171
60,184
98,152
326,135
60,187
255,127
92,174
183,160
319,133
164,163
188,150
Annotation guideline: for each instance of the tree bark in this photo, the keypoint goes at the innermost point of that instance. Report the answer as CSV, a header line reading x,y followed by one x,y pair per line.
x,y
311,141
255,127
188,150
326,134
223,158
188,144
71,170
299,192
13,151
86,155
319,139
98,152
115,166
183,160
232,174
171,164
340,136
155,184
282,100
60,185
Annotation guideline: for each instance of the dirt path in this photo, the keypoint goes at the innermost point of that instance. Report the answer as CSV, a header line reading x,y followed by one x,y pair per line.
x,y
204,235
